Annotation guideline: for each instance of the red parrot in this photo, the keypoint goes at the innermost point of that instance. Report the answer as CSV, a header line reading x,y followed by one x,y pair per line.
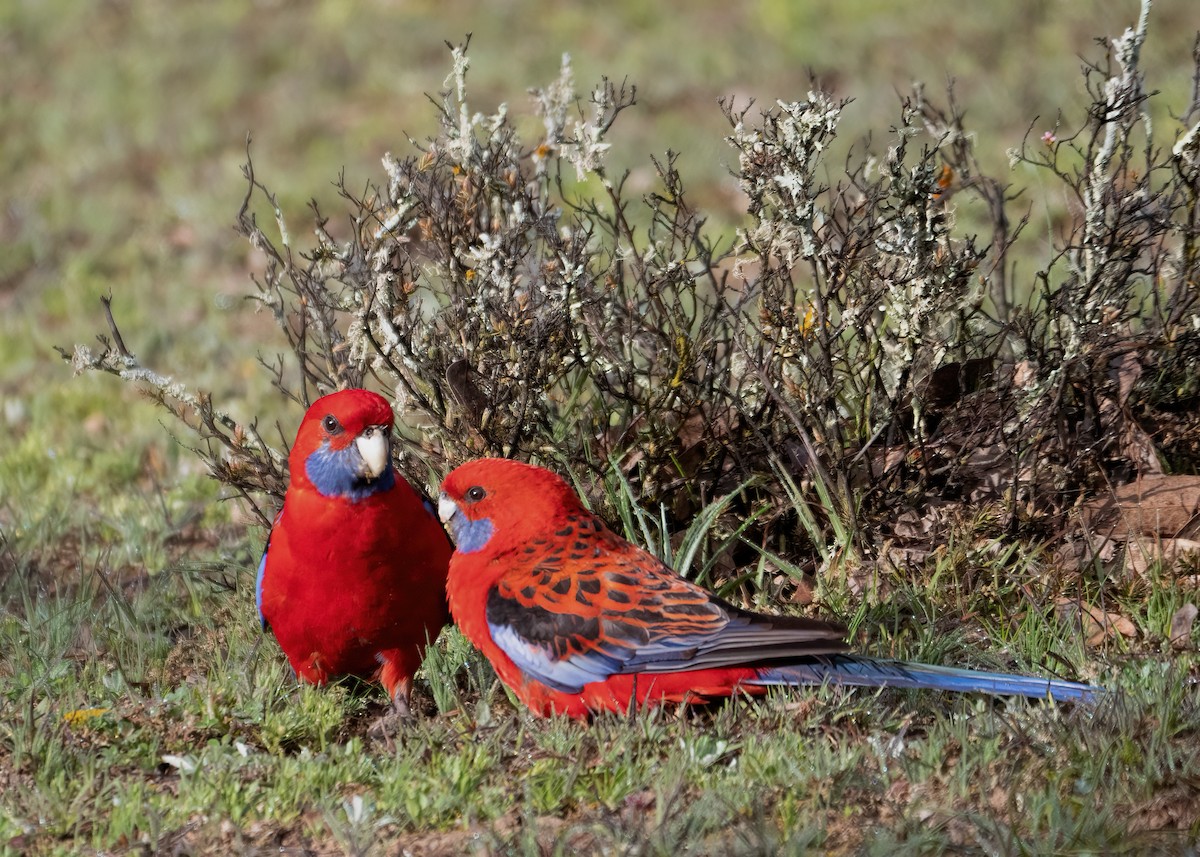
x,y
576,620
353,578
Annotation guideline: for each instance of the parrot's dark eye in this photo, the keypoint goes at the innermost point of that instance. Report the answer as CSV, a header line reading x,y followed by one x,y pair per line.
x,y
475,494
331,425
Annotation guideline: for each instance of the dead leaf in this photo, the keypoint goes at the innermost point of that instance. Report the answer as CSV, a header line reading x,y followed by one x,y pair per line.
x,y
1089,550
1171,808
910,525
865,581
1097,625
893,457
1140,449
1164,506
459,376
1141,553
1025,374
1126,369
893,556
1181,625
803,594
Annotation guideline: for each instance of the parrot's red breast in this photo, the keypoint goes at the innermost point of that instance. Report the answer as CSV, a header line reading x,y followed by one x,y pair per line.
x,y
353,578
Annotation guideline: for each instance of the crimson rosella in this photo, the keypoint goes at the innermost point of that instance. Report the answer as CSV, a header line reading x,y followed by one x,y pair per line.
x,y
353,578
577,620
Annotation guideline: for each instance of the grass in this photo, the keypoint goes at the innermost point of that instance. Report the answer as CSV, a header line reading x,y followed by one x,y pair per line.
x,y
156,721
140,709
153,718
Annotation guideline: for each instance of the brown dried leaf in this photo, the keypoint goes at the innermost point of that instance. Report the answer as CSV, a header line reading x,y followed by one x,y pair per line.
x,y
1097,625
901,558
1142,553
865,582
803,594
1025,374
1165,506
1175,807
910,525
1181,625
893,457
459,376
998,800
1126,369
1140,449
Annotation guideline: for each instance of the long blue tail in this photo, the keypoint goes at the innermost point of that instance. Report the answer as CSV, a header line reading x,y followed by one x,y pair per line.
x,y
873,672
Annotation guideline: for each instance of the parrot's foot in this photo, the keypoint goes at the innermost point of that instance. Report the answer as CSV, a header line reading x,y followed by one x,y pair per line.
x,y
400,706
388,726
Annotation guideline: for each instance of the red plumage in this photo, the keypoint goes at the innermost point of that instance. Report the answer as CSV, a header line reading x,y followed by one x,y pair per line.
x,y
353,578
577,620
573,588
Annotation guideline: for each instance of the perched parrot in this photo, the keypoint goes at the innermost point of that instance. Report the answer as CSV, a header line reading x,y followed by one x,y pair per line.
x,y
353,578
576,620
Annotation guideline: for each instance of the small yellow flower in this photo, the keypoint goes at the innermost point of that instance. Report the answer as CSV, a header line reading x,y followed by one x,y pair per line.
x,y
808,322
80,716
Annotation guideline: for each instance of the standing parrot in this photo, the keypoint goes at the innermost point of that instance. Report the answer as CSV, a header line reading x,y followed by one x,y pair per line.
x,y
577,620
353,578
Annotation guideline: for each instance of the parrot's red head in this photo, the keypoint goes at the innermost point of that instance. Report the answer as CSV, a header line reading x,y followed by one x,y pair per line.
x,y
343,447
498,504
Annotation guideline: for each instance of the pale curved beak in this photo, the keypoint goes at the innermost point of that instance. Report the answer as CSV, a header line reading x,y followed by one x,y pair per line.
x,y
375,448
447,509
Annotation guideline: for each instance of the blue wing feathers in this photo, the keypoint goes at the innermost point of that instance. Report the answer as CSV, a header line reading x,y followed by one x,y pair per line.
x,y
872,672
258,584
567,675
262,570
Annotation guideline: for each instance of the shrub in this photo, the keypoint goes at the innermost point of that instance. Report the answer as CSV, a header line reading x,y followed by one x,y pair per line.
x,y
856,342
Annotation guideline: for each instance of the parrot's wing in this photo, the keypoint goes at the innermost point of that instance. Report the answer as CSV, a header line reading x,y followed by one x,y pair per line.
x,y
258,584
262,572
570,620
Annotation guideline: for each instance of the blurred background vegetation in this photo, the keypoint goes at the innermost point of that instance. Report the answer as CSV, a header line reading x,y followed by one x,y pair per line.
x,y
123,127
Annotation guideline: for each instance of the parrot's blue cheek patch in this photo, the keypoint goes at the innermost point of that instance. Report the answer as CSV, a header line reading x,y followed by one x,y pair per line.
x,y
470,536
334,473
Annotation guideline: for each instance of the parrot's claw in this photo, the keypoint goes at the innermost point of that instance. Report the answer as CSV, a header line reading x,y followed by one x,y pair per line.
x,y
385,728
388,726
